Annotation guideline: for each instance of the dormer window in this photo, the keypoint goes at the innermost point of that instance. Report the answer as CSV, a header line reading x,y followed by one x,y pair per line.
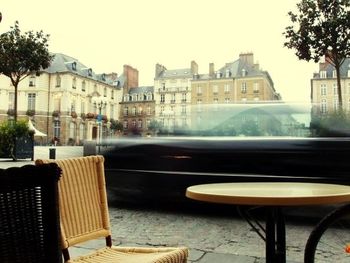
x,y
103,77
126,97
228,73
323,74
90,72
74,66
218,74
244,73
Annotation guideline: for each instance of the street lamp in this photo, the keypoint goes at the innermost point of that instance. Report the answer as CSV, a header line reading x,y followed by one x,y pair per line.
x,y
99,103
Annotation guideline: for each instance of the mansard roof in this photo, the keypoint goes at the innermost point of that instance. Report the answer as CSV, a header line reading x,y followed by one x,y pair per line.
x,y
62,63
141,90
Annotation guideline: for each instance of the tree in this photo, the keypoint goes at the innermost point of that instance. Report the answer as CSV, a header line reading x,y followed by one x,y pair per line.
x,y
22,55
155,126
321,28
116,125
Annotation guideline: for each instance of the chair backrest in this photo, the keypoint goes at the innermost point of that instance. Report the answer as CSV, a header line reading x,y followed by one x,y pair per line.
x,y
83,201
29,216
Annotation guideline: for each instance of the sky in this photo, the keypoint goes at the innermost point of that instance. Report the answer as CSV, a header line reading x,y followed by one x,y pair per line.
x,y
107,34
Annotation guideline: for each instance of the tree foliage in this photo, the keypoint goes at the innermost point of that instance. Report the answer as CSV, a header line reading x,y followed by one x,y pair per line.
x,y
22,54
321,28
9,133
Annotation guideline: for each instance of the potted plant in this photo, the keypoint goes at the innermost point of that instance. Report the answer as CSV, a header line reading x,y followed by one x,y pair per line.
x,y
56,114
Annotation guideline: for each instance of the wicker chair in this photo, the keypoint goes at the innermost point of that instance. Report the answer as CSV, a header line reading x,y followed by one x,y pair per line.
x,y
84,216
29,217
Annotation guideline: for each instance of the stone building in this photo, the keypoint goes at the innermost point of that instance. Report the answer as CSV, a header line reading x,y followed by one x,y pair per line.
x,y
68,101
240,81
172,91
324,91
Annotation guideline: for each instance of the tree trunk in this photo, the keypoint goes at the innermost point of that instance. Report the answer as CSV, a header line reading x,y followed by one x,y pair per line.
x,y
340,97
15,103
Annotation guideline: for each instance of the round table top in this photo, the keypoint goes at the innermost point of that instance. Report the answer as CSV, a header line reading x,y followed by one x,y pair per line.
x,y
270,193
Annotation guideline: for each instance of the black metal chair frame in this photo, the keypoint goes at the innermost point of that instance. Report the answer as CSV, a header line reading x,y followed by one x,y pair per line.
x,y
29,215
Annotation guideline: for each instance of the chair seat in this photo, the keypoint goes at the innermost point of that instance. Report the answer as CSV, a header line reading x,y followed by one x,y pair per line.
x,y
135,255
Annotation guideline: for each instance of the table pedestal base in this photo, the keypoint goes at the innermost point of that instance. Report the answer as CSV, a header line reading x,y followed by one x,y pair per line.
x,y
274,233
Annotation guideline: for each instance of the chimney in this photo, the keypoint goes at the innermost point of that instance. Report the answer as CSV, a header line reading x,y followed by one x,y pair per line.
x,y
194,67
211,70
131,76
248,58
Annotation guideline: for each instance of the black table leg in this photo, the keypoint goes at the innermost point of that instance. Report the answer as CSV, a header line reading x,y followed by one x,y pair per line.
x,y
275,236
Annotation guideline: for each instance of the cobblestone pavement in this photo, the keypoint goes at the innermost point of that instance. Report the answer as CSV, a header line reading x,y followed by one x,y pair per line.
x,y
209,236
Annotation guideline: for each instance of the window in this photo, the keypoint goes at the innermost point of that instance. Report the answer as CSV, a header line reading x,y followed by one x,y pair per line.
x,y
148,122
199,90
334,74
32,81
83,84
82,107
111,112
126,111
31,101
256,87
244,73
133,123
58,81
335,104
335,89
134,97
139,110
56,128
161,110
227,100
126,97
227,88
112,94
215,89
323,89
149,110
104,92
173,96
183,97
162,98
149,96
139,124
133,111
125,124
74,83
323,74
244,87
72,107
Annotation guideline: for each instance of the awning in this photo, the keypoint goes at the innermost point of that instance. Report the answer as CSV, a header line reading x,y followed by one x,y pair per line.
x,y
36,132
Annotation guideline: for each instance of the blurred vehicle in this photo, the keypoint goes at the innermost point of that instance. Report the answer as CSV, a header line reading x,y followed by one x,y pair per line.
x,y
260,142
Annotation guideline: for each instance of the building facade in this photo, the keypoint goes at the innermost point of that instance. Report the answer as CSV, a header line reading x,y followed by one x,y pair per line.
x,y
324,91
137,110
67,101
241,81
172,91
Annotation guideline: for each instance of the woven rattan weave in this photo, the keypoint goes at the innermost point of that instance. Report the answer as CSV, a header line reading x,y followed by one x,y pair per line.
x,y
84,216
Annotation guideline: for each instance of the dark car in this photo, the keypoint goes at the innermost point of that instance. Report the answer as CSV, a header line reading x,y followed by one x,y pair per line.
x,y
162,168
